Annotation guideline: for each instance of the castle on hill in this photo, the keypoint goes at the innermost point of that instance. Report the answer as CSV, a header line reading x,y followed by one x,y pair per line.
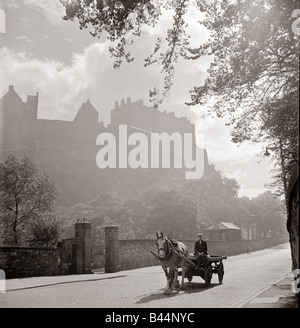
x,y
66,150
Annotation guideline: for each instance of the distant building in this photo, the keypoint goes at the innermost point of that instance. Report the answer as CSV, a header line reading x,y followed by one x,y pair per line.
x,y
250,231
137,115
21,130
223,231
67,150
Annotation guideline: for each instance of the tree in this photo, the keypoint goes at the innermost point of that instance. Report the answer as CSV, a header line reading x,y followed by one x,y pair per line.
x,y
215,196
106,209
169,210
254,76
26,195
45,232
270,213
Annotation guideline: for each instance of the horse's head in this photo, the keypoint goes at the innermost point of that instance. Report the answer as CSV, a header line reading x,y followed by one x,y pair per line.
x,y
161,244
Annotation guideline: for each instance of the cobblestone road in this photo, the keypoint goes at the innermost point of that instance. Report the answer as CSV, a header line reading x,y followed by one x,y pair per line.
x,y
245,276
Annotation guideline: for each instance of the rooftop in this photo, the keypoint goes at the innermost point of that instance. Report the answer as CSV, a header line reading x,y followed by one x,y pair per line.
x,y
223,226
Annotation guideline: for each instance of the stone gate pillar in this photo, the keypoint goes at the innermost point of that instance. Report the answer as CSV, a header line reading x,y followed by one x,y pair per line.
x,y
112,260
83,234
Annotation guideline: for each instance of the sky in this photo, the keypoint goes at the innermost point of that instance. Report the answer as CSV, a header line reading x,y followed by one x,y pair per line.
x,y
41,52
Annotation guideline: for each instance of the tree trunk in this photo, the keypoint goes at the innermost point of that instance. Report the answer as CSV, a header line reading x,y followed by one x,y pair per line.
x,y
284,176
15,235
293,218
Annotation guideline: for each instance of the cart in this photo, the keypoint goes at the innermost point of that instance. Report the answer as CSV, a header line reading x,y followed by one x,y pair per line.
x,y
214,265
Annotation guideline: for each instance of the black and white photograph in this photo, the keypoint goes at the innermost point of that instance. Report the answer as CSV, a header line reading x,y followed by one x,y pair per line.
x,y
149,157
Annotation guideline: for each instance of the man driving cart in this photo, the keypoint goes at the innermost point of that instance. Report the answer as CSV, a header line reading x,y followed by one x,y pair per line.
x,y
200,250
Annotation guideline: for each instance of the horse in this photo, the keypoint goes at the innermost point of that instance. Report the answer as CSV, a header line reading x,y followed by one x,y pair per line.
x,y
171,254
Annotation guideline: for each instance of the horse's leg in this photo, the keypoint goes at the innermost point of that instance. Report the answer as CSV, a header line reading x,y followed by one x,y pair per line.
x,y
166,275
169,288
182,286
176,281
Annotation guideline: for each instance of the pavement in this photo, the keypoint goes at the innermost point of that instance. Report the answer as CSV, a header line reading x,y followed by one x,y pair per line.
x,y
277,295
35,282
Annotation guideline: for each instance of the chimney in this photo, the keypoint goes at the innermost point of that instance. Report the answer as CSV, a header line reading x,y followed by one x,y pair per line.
x,y
10,87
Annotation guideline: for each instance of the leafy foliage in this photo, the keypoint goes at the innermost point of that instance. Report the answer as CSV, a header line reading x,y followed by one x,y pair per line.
x,y
269,214
169,210
106,209
179,210
254,77
45,232
122,21
25,194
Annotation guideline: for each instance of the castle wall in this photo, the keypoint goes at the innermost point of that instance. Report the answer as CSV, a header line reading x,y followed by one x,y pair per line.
x,y
136,114
66,150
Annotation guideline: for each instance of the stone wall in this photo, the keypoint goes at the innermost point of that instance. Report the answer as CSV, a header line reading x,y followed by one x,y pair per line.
x,y
72,256
136,253
19,262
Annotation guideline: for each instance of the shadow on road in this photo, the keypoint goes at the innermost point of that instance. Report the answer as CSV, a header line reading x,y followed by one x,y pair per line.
x,y
190,288
198,287
156,296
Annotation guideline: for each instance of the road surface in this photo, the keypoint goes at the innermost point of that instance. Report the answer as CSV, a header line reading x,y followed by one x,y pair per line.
x,y
245,277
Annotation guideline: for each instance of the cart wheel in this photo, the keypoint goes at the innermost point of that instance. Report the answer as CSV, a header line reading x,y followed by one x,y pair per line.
x,y
208,275
221,272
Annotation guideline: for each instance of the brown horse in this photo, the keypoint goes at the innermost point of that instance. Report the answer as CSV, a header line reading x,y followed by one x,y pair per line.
x,y
171,255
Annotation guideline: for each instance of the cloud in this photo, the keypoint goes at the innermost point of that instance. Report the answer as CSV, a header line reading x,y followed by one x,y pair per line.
x,y
240,162
62,88
53,10
24,38
11,4
254,173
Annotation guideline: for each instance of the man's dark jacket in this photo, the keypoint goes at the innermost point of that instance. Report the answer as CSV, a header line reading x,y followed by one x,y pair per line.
x,y
201,248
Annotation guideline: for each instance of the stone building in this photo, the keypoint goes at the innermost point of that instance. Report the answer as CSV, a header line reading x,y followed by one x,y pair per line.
x,y
136,114
66,150
223,231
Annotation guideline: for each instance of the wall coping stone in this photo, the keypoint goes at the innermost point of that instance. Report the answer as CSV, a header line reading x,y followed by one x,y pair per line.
x,y
28,247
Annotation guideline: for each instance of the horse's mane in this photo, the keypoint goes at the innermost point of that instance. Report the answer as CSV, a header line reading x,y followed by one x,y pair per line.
x,y
172,241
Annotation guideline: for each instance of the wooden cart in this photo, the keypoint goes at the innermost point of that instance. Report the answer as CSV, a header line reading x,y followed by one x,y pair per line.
x,y
214,265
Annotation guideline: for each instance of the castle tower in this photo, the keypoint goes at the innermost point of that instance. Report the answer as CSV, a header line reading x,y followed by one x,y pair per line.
x,y
87,116
17,119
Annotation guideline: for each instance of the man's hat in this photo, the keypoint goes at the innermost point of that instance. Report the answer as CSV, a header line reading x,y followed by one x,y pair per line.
x,y
200,234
